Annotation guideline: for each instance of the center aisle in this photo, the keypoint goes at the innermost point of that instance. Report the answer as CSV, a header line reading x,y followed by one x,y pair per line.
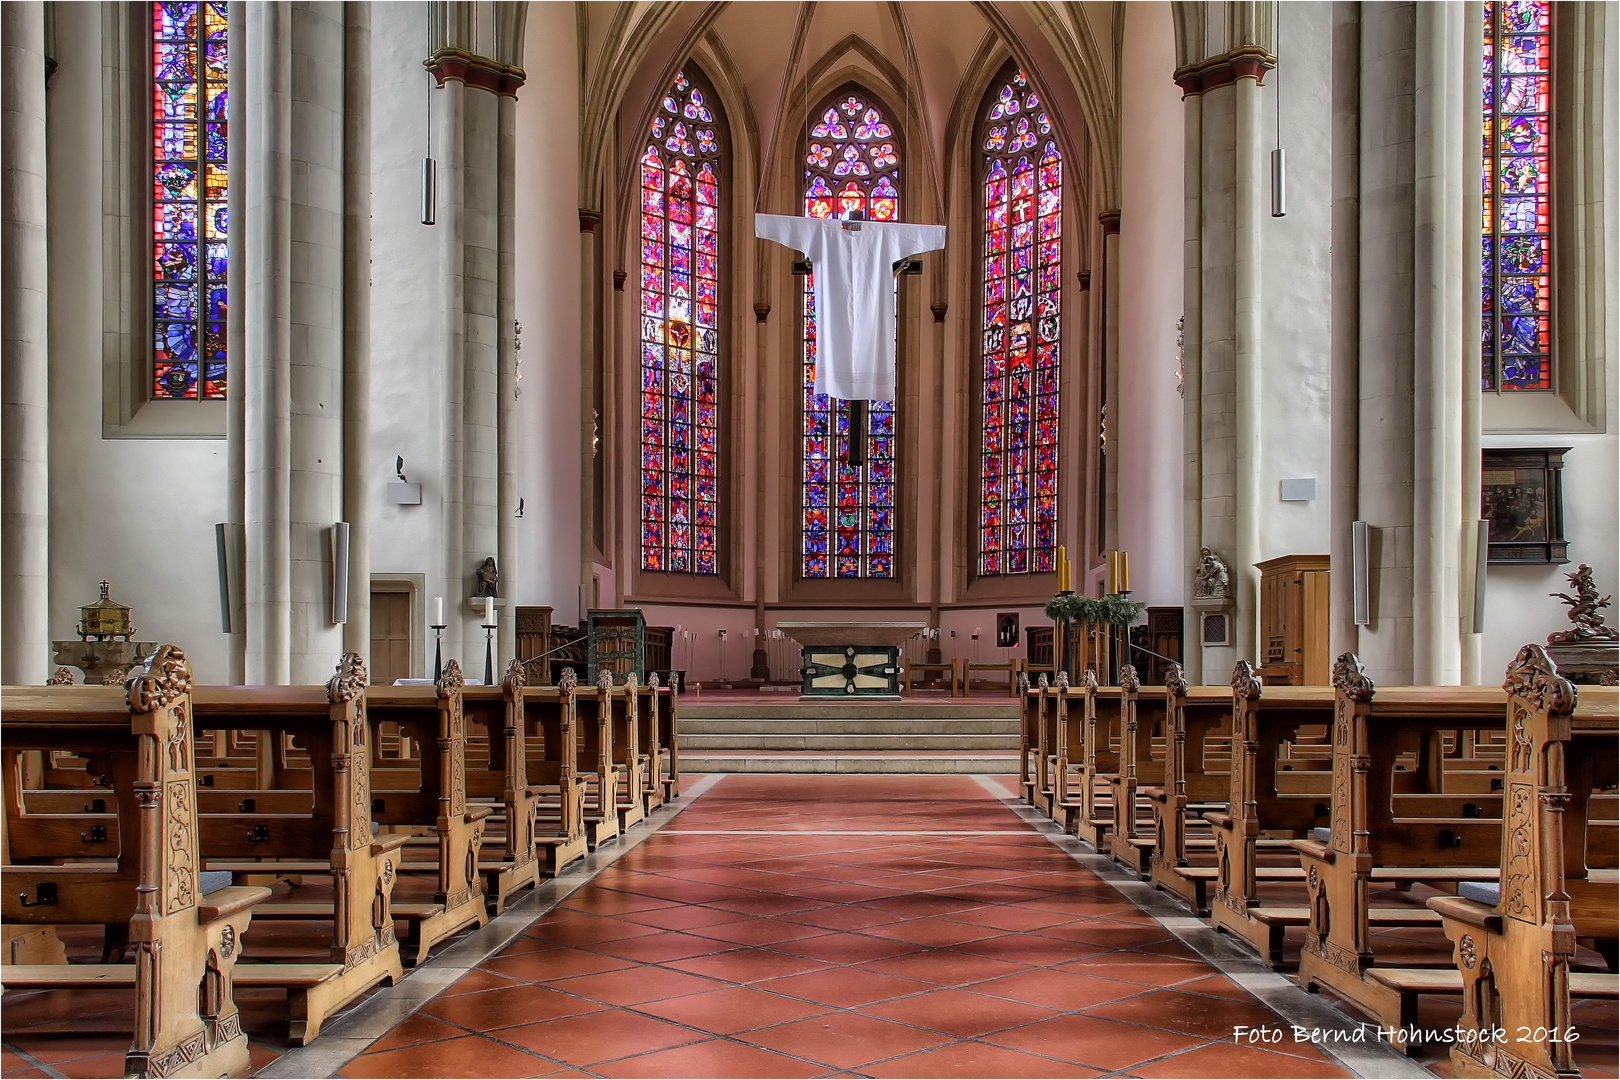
x,y
882,926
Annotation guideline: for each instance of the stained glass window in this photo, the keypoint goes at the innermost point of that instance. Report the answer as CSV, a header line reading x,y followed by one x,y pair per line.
x,y
1022,178
1516,308
189,215
852,162
680,332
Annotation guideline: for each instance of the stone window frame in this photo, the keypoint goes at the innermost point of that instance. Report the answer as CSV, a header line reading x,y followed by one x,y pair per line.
x,y
1581,323
129,411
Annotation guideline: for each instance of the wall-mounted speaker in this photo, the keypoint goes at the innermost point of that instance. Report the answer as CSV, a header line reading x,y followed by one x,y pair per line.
x,y
1482,548
229,553
340,572
1360,582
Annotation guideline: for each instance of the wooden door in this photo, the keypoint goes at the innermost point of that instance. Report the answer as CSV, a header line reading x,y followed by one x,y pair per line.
x,y
390,637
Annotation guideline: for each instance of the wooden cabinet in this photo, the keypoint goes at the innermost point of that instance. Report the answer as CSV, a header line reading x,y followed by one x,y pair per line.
x,y
1294,621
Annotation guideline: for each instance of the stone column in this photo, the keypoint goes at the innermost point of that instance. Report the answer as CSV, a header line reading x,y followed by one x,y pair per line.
x,y
1472,158
1344,316
1192,383
24,365
1109,220
1249,193
235,351
1412,208
589,287
358,483
292,168
508,455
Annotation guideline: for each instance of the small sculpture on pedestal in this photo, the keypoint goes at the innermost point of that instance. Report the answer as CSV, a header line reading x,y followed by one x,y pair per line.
x,y
1588,652
489,579
1211,581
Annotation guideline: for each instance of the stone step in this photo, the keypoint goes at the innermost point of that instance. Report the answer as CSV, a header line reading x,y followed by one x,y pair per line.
x,y
825,725
692,742
903,761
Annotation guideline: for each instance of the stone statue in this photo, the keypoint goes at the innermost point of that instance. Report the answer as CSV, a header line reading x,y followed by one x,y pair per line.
x,y
488,578
1585,611
1211,581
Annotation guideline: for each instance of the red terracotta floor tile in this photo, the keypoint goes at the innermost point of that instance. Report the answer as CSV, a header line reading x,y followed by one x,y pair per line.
x,y
415,1030
732,1009
1054,988
1218,985
847,892
1145,969
1225,1060
54,1049
601,1036
509,1007
1027,949
975,1059
844,988
1010,918
933,932
1091,1041
716,1058
1106,934
920,905
1191,1014
633,986
847,948
946,968
556,964
588,930
845,918
766,904
91,1067
469,1056
663,947
606,902
748,965
844,1040
959,1013
684,918
749,931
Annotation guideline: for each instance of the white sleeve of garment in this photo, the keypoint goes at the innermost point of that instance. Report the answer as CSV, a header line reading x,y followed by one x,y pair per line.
x,y
913,239
793,232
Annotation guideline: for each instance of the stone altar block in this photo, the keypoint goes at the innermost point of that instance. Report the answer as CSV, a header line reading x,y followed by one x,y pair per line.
x,y
852,661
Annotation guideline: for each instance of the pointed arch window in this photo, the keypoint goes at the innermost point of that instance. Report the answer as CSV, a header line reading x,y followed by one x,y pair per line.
x,y
1516,331
852,161
1020,313
190,220
680,330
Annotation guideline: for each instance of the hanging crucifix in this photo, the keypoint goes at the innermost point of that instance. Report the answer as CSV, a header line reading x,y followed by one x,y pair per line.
x,y
853,260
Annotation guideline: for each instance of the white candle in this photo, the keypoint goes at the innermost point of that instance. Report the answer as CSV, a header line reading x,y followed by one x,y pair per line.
x,y
438,611
489,611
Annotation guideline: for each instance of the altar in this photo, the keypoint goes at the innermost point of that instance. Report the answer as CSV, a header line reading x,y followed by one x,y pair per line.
x,y
855,661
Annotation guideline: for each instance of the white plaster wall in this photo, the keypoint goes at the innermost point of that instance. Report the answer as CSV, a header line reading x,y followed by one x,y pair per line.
x,y
547,242
407,312
1150,409
1294,284
139,512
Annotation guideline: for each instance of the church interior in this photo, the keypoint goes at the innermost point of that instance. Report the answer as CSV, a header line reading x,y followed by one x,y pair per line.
x,y
961,538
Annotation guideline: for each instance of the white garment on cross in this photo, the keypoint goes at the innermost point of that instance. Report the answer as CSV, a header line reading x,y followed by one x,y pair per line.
x,y
854,297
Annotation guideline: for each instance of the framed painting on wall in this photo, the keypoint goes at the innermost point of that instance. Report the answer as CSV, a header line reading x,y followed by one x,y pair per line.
x,y
1522,497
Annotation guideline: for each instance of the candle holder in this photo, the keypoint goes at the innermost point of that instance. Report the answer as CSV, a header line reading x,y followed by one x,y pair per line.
x,y
489,656
438,650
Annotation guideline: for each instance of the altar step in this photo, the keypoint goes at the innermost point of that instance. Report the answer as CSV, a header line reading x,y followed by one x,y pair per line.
x,y
847,738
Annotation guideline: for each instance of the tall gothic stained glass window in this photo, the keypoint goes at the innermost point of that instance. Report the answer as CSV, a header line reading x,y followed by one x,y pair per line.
x,y
1516,308
1021,173
680,331
852,161
189,215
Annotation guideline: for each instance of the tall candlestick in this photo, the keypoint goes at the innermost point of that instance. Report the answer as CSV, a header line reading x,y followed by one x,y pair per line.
x,y
489,611
1124,571
1063,570
438,611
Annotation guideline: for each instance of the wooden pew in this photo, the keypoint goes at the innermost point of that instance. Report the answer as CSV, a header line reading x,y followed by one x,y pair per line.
x,y
1144,713
596,762
1514,958
498,773
652,700
433,798
1376,837
186,944
1091,818
1029,737
1264,720
552,744
1198,717
629,797
669,740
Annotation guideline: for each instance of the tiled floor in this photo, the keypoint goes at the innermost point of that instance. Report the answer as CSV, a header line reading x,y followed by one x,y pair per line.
x,y
886,926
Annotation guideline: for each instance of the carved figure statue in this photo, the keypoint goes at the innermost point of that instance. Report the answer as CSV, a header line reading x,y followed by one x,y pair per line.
x,y
1211,581
488,578
1585,611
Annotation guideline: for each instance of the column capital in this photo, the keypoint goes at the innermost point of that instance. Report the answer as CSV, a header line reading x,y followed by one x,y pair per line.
x,y
1109,220
618,280
449,63
939,311
1084,277
762,311
1243,62
588,219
